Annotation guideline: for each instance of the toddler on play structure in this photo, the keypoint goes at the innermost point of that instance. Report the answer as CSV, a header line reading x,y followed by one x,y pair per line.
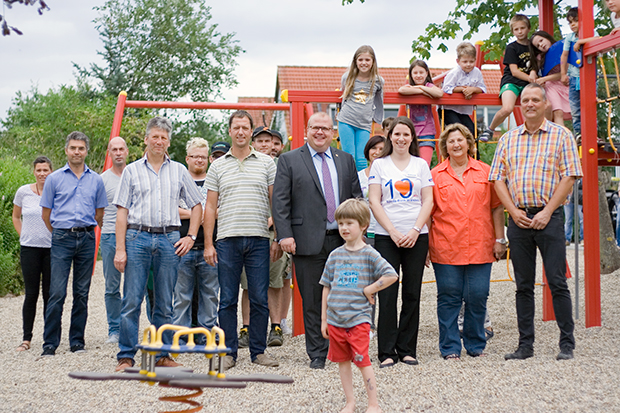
x,y
353,274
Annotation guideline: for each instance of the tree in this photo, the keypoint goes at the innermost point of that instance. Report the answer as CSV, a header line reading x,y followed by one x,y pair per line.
x,y
38,123
6,29
156,50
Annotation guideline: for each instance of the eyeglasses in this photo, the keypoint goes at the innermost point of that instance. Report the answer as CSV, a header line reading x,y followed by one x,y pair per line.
x,y
201,157
323,129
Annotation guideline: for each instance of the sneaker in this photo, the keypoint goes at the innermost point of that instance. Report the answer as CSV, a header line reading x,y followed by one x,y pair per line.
x,y
285,328
522,353
124,363
167,361
78,348
265,360
244,338
228,363
112,339
48,352
565,354
486,136
275,339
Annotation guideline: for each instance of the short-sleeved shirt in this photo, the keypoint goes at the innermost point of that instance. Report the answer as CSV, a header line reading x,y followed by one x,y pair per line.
x,y
152,198
401,191
422,118
516,54
364,105
243,193
462,231
458,77
73,201
532,165
347,273
110,181
34,232
569,42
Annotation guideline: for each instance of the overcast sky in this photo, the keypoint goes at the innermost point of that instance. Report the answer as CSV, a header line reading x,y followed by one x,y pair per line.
x,y
272,32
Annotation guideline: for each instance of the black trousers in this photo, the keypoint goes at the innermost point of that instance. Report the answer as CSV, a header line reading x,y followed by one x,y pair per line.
x,y
36,271
308,271
398,338
550,242
451,117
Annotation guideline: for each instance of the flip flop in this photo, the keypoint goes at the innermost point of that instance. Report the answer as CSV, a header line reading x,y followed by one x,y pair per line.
x,y
24,346
412,362
385,365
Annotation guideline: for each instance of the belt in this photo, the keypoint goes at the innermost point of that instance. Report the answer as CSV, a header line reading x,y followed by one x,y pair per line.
x,y
154,230
532,210
332,232
79,229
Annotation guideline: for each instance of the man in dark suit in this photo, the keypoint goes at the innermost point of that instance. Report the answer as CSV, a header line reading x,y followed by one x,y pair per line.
x,y
310,183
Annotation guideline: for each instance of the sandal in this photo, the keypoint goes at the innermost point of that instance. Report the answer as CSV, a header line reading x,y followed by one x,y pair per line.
x,y
24,346
454,357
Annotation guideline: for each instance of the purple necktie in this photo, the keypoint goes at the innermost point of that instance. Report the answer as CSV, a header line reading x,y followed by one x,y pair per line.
x,y
330,199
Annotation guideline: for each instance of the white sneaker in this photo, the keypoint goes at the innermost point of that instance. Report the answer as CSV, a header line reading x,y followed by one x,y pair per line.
x,y
285,328
112,339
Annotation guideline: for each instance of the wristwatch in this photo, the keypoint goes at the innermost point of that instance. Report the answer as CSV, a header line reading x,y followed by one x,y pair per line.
x,y
501,241
193,237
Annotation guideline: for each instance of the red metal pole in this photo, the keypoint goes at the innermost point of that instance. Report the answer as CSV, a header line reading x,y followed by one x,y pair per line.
x,y
116,130
545,15
589,148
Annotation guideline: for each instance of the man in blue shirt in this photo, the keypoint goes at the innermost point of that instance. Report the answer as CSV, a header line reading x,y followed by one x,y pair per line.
x,y
73,200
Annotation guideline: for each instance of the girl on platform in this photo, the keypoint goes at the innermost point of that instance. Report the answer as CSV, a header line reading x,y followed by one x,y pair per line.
x,y
544,47
362,102
421,83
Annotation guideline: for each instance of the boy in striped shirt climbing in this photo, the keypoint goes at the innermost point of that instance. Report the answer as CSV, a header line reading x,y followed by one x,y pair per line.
x,y
353,274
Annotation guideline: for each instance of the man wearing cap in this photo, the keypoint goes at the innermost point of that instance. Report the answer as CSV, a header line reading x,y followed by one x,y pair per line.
x,y
194,273
311,182
147,235
241,183
218,149
278,145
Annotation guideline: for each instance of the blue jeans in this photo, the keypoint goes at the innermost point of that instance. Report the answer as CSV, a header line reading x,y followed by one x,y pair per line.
x,y
574,99
143,251
194,272
113,299
455,284
233,254
569,211
77,248
353,141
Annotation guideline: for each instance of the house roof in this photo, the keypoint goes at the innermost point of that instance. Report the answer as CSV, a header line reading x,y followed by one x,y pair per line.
x,y
260,117
328,78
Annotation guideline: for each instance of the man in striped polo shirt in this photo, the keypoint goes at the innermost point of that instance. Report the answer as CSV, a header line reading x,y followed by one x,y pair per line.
x,y
147,235
534,168
241,184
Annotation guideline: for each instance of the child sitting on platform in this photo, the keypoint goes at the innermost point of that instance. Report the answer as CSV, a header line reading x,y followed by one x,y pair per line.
x,y
467,79
353,274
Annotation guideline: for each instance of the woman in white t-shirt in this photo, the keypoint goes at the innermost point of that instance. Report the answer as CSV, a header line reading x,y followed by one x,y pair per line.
x,y
401,199
35,244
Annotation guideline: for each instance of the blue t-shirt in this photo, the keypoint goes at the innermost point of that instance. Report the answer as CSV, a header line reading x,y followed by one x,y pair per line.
x,y
73,201
347,273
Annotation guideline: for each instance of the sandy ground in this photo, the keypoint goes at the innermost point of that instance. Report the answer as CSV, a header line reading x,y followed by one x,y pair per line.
x,y
490,384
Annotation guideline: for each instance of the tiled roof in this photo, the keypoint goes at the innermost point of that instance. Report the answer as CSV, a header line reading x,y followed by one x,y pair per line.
x,y
328,78
260,117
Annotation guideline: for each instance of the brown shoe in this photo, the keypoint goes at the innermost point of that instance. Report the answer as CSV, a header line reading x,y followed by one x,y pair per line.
x,y
124,363
265,360
167,361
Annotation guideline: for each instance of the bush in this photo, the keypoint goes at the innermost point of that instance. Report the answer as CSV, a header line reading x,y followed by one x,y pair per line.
x,y
13,174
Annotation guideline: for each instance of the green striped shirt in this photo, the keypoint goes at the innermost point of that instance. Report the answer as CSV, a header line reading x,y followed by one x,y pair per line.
x,y
243,188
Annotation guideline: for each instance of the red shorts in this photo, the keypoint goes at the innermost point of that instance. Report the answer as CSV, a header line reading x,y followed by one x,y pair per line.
x,y
349,344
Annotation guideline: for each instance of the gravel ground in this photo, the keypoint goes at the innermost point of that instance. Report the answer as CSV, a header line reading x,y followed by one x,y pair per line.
x,y
587,383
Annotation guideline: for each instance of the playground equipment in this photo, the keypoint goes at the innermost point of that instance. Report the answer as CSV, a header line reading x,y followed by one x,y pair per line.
x,y
178,377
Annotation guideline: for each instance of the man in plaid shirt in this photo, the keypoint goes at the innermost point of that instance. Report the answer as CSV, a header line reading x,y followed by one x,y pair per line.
x,y
534,168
